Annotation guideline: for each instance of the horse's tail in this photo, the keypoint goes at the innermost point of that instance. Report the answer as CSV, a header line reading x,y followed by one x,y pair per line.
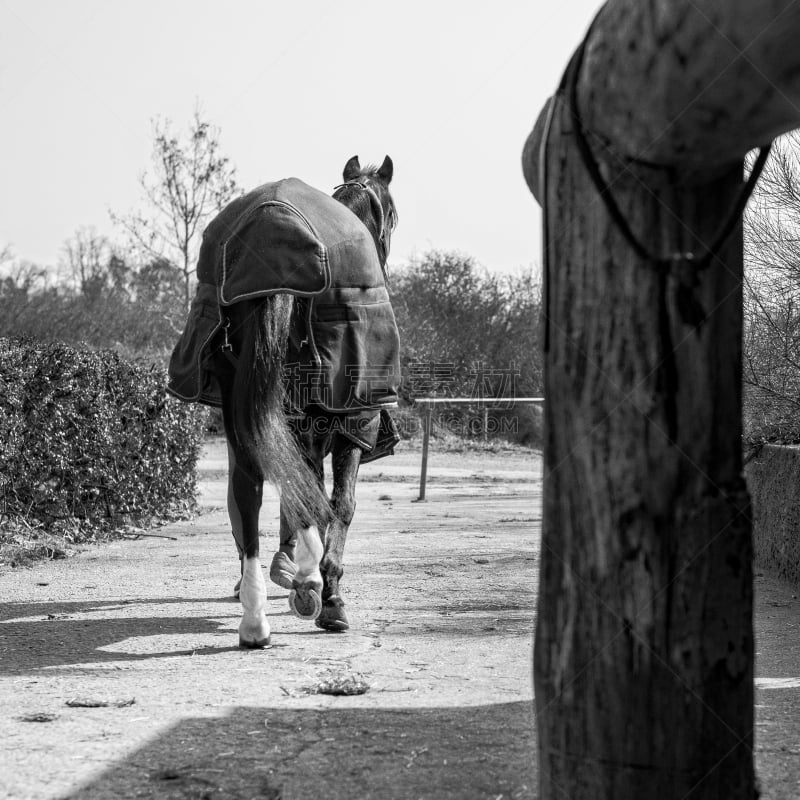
x,y
259,414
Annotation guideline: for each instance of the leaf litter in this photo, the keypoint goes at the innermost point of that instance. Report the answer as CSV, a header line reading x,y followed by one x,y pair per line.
x,y
95,702
341,682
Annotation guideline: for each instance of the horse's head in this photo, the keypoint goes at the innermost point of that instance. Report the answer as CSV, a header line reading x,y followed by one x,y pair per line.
x,y
365,192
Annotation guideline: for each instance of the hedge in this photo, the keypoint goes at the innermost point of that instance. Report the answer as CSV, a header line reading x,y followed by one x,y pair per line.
x,y
90,440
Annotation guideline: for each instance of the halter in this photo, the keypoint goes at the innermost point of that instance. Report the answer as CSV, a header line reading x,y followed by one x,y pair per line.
x,y
375,201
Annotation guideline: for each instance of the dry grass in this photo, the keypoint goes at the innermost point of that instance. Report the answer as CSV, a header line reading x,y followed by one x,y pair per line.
x,y
22,544
340,682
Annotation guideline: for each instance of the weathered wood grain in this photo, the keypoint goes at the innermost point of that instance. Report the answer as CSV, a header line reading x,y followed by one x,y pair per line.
x,y
644,648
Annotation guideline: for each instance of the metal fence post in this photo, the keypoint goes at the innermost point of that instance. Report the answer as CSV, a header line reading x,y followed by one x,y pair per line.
x,y
426,438
428,403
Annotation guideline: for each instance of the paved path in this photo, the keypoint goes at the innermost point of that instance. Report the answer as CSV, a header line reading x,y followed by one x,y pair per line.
x,y
441,598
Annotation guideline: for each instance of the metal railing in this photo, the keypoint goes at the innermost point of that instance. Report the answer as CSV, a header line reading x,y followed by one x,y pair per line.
x,y
427,404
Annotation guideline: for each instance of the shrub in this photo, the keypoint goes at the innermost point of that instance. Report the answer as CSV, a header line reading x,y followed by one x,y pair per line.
x,y
465,332
90,441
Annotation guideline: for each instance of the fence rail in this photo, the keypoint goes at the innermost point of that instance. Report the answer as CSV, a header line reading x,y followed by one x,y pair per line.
x,y
426,406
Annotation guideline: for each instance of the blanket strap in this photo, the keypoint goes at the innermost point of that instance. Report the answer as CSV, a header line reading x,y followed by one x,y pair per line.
x,y
226,347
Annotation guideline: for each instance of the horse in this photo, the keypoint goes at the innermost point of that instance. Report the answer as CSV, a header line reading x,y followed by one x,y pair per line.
x,y
279,434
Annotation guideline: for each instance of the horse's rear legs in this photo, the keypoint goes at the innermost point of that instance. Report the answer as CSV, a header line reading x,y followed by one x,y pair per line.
x,y
283,567
235,518
244,504
305,599
253,628
346,457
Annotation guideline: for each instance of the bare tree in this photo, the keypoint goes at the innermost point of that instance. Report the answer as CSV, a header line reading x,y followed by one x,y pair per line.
x,y
772,299
86,257
6,255
20,282
190,181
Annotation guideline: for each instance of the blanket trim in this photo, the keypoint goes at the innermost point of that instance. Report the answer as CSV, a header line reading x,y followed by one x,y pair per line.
x,y
240,223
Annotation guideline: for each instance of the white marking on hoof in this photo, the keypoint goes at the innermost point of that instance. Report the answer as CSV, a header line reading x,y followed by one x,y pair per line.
x,y
308,555
254,628
305,599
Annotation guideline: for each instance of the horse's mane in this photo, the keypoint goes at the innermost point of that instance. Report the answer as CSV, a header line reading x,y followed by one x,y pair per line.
x,y
350,194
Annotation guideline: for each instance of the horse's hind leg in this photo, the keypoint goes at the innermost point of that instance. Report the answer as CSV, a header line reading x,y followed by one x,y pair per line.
x,y
284,566
346,457
245,492
234,516
305,599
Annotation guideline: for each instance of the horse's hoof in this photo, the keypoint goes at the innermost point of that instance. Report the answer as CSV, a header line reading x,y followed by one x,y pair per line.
x,y
253,644
254,634
282,570
305,600
332,616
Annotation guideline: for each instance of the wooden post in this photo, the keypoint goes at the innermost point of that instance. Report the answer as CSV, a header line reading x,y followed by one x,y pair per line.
x,y
643,665
426,439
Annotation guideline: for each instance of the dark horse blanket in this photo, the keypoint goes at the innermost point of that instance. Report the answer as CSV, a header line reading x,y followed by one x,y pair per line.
x,y
343,355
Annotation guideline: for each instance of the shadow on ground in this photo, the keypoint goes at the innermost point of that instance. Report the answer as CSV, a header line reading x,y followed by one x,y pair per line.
x,y
56,634
51,635
478,752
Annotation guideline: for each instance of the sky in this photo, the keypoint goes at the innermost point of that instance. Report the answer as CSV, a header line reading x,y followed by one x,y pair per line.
x,y
448,89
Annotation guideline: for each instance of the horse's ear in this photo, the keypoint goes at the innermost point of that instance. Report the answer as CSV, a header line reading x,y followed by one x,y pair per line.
x,y
352,169
386,170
